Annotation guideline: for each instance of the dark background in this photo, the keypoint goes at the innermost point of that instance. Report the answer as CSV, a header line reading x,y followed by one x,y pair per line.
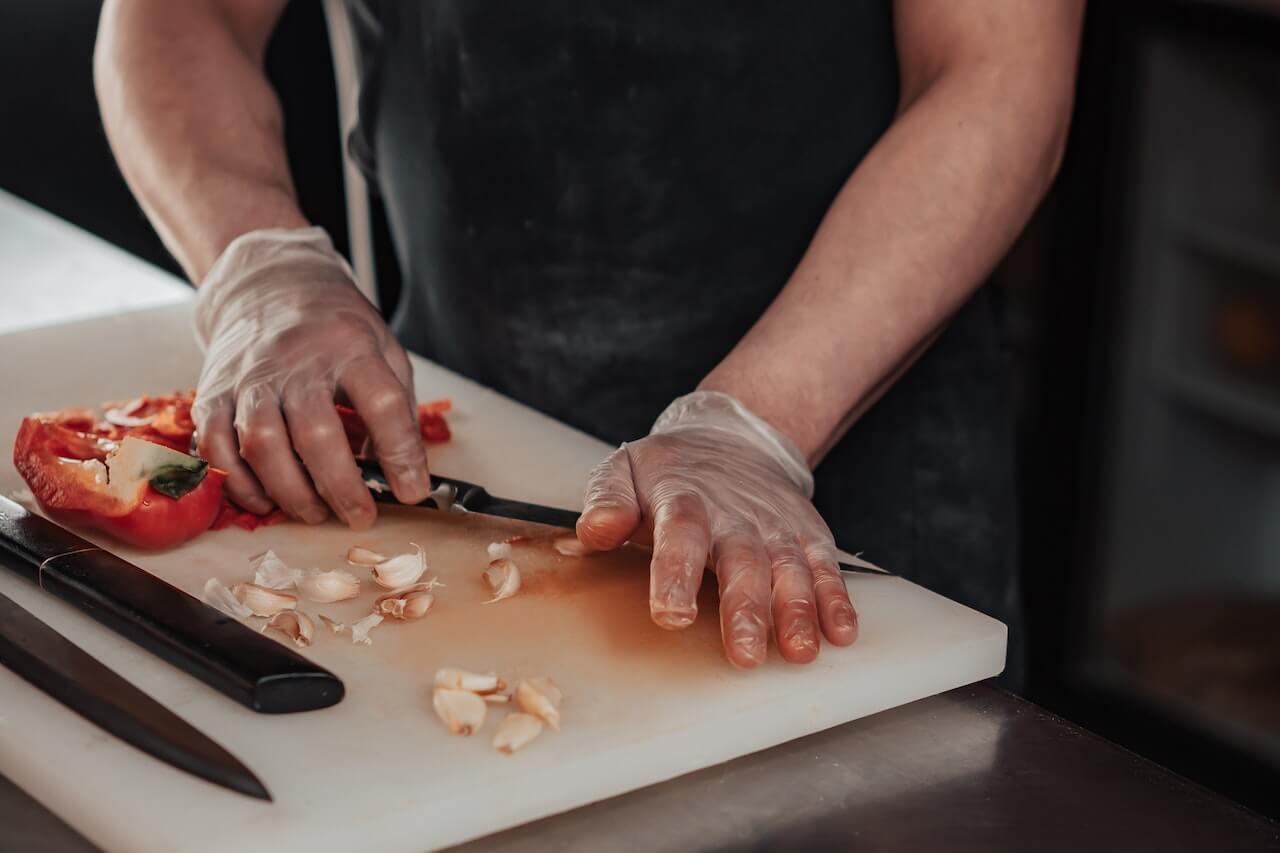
x,y
1065,282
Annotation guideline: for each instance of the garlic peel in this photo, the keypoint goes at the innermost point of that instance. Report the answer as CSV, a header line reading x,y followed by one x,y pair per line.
x,y
401,570
515,731
503,578
272,572
540,697
461,710
219,597
571,546
474,682
262,600
328,586
295,625
359,629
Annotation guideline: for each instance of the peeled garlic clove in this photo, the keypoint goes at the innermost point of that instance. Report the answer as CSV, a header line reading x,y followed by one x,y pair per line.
x,y
569,546
496,698
503,578
515,731
330,586
475,682
262,600
217,596
461,710
500,550
360,629
295,625
540,697
272,572
412,602
358,555
402,570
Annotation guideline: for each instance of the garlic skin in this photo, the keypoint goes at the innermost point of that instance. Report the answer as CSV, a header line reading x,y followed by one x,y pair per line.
x,y
295,625
496,698
515,731
359,629
461,710
358,555
474,682
262,600
412,602
540,697
503,578
271,572
219,597
569,546
402,570
327,587
500,551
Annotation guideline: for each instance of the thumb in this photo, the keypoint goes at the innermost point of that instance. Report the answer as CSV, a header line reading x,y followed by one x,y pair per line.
x,y
611,512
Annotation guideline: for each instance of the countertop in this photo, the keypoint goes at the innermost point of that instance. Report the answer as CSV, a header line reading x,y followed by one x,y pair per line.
x,y
973,769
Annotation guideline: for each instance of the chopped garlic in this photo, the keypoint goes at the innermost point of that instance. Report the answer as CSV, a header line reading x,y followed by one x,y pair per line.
x,y
262,600
540,697
272,572
217,596
401,570
358,555
327,587
411,602
503,578
500,551
475,682
461,710
516,730
295,625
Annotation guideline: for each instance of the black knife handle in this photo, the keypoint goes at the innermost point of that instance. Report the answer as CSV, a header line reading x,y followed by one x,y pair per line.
x,y
254,670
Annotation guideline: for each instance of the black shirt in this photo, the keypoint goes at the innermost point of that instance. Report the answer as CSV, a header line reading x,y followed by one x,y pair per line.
x,y
591,203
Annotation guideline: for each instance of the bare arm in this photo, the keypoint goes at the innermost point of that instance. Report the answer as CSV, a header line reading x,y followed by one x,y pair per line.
x,y
193,122
986,99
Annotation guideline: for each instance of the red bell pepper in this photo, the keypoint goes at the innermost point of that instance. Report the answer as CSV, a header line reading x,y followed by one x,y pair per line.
x,y
143,493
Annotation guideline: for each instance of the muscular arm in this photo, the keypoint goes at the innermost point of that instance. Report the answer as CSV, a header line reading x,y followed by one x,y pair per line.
x,y
985,102
193,122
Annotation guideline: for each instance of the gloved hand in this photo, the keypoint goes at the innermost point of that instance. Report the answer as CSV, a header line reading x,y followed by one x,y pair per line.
x,y
713,484
285,333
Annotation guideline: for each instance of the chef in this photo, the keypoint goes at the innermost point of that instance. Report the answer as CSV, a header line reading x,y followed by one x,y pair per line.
x,y
745,242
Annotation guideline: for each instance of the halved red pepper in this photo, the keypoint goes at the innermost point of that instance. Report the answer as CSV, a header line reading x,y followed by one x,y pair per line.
x,y
128,489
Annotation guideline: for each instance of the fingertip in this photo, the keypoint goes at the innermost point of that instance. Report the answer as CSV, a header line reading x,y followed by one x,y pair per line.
x,y
843,625
746,654
604,528
411,486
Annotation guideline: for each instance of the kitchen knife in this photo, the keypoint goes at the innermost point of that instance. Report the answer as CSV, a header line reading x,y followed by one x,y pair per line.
x,y
473,498
254,670
61,669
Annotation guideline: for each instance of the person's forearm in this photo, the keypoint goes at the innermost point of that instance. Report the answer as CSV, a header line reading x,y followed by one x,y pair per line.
x,y
918,226
193,122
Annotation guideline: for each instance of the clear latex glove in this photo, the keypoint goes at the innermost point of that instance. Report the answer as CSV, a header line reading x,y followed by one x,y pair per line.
x,y
285,333
714,485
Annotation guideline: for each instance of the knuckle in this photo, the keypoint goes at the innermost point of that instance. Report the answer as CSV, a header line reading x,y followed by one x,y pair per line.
x,y
387,403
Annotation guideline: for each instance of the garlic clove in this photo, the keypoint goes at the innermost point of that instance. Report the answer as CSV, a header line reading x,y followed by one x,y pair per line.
x,y
262,600
358,555
327,587
272,572
217,596
503,578
412,602
500,551
570,546
515,731
496,698
295,625
461,710
475,682
540,697
402,570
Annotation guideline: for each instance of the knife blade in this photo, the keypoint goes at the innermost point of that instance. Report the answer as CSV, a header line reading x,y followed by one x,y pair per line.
x,y
474,498
83,684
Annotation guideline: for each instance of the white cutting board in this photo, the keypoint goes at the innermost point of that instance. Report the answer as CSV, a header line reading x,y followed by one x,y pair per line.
x,y
378,771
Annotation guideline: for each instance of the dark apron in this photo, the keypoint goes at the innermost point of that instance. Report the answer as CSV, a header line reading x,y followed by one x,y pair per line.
x,y
591,203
